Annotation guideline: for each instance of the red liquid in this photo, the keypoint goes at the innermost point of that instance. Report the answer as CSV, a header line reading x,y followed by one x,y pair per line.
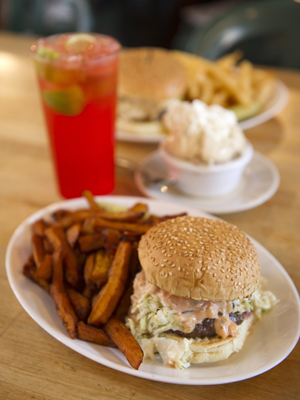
x,y
83,148
82,144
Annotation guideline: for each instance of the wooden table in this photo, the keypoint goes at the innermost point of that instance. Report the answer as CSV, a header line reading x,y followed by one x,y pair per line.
x,y
33,365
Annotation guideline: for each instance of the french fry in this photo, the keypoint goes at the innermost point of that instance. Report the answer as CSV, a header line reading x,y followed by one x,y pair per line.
x,y
103,261
39,226
60,214
88,269
100,223
65,310
58,240
80,303
47,245
38,250
88,243
229,61
94,335
44,271
90,198
132,214
77,216
113,289
123,305
124,340
42,260
73,233
29,270
112,239
58,270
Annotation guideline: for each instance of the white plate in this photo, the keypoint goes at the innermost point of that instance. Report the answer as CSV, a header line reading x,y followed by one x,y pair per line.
x,y
271,341
259,183
273,107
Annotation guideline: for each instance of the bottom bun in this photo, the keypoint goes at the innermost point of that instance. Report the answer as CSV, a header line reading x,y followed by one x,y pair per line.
x,y
140,128
179,352
220,349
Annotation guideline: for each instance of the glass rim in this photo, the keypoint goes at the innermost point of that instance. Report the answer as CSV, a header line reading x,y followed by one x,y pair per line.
x,y
74,57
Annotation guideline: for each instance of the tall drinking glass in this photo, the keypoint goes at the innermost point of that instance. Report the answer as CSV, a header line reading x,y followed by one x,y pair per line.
x,y
77,75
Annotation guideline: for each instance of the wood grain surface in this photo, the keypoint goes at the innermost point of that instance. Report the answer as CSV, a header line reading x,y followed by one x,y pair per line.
x,y
34,365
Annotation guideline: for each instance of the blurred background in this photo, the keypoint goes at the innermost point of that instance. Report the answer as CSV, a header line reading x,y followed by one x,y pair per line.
x,y
268,31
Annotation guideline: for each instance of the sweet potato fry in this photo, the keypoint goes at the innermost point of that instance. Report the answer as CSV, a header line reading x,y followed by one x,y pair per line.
x,y
123,305
58,240
47,245
65,310
91,242
81,304
94,335
88,269
29,270
60,214
72,234
100,223
124,340
112,239
89,292
103,261
132,214
58,272
38,250
43,261
112,291
77,216
44,270
90,198
39,226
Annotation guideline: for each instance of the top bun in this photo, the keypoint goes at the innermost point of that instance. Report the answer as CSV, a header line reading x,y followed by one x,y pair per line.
x,y
151,73
200,258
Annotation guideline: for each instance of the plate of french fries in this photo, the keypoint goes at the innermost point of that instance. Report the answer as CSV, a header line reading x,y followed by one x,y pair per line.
x,y
72,264
254,93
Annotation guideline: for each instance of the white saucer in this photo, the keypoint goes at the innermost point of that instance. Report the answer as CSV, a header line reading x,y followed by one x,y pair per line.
x,y
259,183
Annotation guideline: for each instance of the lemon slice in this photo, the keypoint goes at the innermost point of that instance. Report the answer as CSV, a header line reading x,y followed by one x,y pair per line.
x,y
68,101
47,53
80,42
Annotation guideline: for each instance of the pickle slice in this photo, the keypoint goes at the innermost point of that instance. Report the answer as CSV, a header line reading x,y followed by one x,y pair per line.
x,y
245,112
70,101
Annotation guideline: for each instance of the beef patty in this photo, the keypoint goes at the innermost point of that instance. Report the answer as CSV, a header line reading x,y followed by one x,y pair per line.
x,y
207,326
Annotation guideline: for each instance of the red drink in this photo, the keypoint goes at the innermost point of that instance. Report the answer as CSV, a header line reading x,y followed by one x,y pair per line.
x,y
77,75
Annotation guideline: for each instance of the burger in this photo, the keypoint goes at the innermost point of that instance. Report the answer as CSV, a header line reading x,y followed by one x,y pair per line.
x,y
198,292
149,79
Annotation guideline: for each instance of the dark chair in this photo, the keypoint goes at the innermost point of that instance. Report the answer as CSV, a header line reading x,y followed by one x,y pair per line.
x,y
268,32
47,17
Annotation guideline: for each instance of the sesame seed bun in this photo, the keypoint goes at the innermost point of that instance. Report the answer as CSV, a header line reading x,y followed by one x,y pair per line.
x,y
200,258
152,73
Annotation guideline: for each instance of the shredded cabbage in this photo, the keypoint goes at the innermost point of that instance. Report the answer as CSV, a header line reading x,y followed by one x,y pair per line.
x,y
150,319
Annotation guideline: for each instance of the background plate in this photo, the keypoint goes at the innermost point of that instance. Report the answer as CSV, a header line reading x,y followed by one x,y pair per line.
x,y
271,341
274,107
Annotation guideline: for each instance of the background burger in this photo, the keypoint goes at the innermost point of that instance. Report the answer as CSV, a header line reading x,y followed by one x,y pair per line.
x,y
149,78
198,293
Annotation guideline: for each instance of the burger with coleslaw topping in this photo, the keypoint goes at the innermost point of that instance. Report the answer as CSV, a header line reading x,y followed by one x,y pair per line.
x,y
198,293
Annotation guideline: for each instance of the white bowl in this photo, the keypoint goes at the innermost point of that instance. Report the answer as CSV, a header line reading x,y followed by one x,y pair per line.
x,y
206,181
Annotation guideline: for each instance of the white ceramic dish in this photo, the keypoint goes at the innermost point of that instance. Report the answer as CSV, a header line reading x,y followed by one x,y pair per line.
x,y
274,107
206,180
272,339
259,183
